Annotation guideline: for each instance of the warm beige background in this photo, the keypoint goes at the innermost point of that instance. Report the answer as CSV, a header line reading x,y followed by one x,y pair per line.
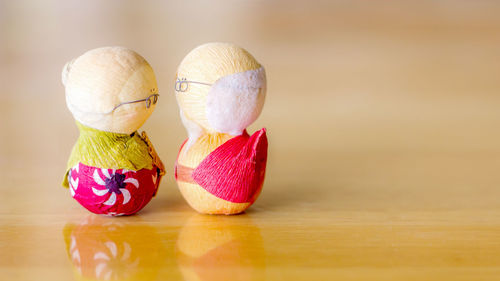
x,y
382,116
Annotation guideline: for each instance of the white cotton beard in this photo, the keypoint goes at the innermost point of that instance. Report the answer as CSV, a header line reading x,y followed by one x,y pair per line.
x,y
235,101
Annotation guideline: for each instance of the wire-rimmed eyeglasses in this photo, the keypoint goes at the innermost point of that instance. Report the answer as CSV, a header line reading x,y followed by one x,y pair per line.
x,y
182,85
152,99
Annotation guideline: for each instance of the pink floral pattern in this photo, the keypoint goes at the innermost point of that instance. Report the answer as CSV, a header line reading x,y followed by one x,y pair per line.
x,y
112,192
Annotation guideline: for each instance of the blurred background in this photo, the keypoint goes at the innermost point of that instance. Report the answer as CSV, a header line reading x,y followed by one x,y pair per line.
x,y
415,81
371,105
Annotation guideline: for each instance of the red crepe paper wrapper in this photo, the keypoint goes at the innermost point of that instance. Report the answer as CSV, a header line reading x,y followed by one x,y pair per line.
x,y
235,171
113,192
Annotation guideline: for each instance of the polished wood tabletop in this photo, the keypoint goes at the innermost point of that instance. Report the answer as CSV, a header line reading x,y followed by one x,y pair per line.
x,y
383,123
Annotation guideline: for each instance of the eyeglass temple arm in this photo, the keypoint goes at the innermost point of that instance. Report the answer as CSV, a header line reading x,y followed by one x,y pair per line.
x,y
194,82
202,83
178,84
129,102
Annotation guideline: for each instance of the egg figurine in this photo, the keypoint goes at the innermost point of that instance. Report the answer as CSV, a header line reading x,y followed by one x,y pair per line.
x,y
113,170
220,89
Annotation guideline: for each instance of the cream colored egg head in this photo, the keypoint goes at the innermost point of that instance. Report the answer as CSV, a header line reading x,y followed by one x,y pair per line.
x,y
220,87
111,89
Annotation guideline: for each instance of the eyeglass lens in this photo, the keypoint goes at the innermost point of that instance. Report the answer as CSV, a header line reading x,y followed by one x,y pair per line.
x,y
148,100
181,85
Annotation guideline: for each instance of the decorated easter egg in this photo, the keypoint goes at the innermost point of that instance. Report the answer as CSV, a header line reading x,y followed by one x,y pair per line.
x,y
220,89
112,170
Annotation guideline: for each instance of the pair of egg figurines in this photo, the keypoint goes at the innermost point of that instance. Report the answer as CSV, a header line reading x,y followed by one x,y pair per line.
x,y
114,170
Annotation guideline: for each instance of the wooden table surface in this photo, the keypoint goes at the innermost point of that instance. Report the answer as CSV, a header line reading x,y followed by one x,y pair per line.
x,y
383,120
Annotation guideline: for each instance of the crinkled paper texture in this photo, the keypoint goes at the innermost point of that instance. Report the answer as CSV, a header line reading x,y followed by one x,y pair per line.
x,y
109,150
235,171
96,189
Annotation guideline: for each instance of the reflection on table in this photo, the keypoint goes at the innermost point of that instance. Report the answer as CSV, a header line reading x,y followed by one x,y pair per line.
x,y
220,248
102,248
